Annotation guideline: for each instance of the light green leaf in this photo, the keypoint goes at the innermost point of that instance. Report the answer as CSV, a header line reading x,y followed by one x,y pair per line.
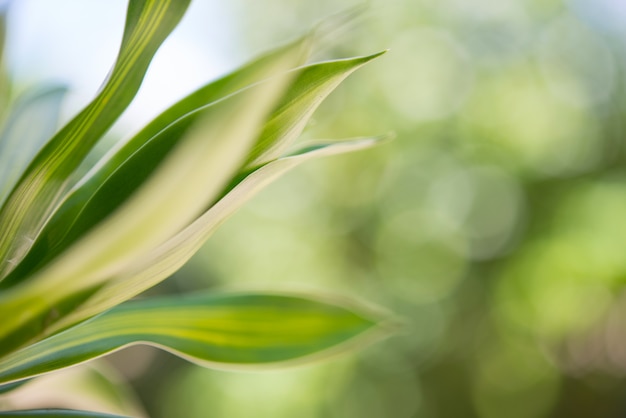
x,y
313,84
127,168
191,177
225,331
21,139
160,263
44,183
56,413
112,184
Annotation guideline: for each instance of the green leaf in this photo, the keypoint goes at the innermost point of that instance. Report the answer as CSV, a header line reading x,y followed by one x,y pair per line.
x,y
21,139
127,168
112,184
313,84
45,181
163,261
193,175
225,331
56,413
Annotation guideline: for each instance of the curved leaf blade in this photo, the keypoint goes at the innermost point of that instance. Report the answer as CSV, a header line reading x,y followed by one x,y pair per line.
x,y
45,181
313,84
166,259
191,177
112,183
226,331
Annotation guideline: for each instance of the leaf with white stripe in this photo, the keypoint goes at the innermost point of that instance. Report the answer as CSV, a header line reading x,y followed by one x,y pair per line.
x,y
191,177
312,85
127,168
163,261
45,181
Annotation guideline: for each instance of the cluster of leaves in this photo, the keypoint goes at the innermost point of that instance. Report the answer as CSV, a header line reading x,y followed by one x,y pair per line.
x,y
78,241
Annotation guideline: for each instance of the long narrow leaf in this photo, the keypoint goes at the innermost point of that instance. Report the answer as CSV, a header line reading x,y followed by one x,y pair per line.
x,y
127,168
111,185
169,257
226,331
40,189
313,85
191,177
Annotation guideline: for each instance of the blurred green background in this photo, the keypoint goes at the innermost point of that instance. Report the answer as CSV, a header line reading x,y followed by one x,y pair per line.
x,y
494,225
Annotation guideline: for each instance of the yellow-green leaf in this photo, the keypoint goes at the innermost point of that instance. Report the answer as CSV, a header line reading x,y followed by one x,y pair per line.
x,y
312,85
45,181
191,177
224,331
163,261
123,172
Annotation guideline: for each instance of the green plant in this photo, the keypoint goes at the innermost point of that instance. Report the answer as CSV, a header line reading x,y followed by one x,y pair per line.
x,y
79,241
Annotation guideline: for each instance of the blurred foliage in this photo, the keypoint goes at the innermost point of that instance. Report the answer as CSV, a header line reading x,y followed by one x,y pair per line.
x,y
493,224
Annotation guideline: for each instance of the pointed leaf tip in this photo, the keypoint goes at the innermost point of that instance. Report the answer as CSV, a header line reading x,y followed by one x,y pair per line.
x,y
228,331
